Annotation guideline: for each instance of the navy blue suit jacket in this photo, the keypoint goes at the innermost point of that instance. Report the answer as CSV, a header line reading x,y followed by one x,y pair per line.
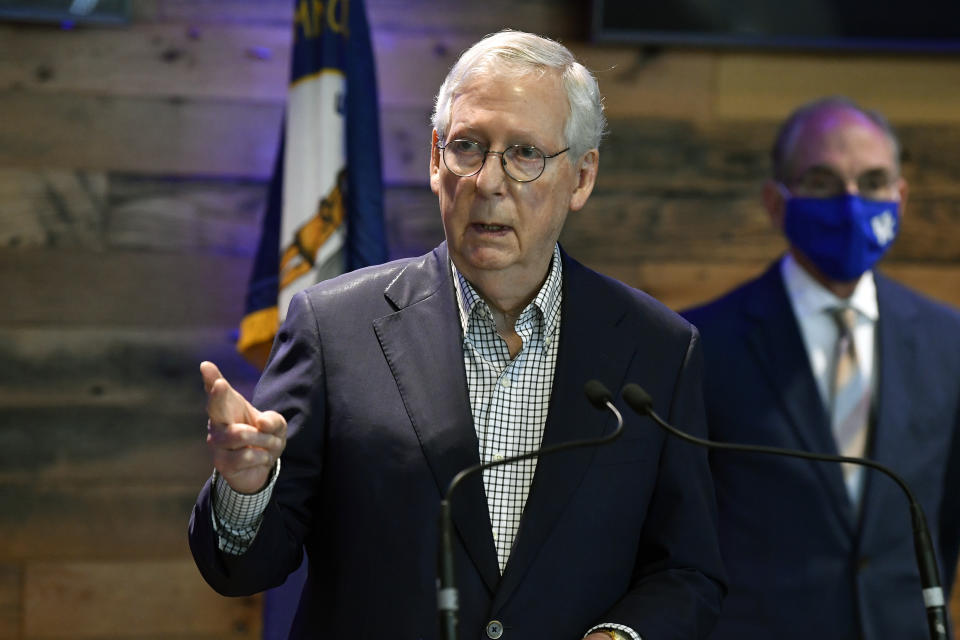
x,y
801,562
368,370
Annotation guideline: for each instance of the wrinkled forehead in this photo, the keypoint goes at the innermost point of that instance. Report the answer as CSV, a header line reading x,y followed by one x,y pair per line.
x,y
499,72
535,96
842,139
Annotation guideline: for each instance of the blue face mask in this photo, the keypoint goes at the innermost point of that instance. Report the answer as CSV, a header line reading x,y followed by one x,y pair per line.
x,y
845,235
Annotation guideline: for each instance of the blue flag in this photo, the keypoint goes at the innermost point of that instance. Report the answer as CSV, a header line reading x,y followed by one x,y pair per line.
x,y
324,210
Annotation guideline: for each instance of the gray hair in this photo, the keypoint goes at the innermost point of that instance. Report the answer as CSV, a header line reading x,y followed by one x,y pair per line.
x,y
519,52
779,154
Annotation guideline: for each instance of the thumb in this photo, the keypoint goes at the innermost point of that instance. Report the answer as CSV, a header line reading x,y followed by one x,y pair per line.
x,y
271,422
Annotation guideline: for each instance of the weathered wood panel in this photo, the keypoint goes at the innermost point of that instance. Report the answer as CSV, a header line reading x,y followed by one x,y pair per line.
x,y
559,18
168,135
683,157
252,64
153,443
121,289
56,208
769,85
627,227
210,216
90,600
10,600
245,63
675,84
64,367
929,163
177,137
678,284
94,210
203,12
563,19
96,520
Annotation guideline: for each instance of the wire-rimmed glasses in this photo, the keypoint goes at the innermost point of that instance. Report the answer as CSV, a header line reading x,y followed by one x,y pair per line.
x,y
521,162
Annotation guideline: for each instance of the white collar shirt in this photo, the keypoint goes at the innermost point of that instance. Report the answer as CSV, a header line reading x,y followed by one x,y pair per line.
x,y
510,398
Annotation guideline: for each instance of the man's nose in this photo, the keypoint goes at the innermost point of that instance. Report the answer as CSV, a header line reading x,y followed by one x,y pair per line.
x,y
492,178
851,187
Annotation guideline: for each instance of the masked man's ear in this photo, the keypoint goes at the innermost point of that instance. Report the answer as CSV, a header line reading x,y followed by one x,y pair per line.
x,y
775,202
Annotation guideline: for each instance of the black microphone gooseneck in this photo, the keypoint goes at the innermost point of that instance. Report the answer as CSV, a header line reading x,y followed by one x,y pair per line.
x,y
447,597
641,402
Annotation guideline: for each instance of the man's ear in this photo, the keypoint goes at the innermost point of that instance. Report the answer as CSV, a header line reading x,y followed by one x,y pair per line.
x,y
775,202
903,189
586,177
435,163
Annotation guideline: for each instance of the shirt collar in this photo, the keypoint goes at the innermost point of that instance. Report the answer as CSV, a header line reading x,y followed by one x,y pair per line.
x,y
809,297
547,300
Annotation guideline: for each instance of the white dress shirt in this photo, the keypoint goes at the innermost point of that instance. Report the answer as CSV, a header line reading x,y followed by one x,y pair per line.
x,y
811,304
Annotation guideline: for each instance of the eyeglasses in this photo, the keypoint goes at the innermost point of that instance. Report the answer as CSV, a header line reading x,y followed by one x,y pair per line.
x,y
521,162
819,182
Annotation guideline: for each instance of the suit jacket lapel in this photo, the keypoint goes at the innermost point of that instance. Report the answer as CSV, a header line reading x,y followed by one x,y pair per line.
x,y
422,344
591,346
778,345
897,371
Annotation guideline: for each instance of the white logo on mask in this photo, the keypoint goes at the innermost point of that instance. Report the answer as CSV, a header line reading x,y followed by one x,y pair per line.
x,y
884,227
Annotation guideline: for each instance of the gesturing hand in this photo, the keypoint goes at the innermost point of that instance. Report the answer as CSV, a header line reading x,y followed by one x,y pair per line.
x,y
245,442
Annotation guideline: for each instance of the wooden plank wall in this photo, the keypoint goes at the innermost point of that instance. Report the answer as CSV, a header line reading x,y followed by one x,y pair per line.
x,y
133,164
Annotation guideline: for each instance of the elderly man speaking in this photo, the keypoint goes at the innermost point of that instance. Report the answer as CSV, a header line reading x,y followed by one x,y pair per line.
x,y
385,382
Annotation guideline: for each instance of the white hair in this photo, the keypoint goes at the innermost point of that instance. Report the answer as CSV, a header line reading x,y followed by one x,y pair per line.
x,y
518,52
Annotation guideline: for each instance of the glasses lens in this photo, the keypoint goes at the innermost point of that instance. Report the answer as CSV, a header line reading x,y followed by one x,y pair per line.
x,y
875,185
463,157
872,185
524,162
820,184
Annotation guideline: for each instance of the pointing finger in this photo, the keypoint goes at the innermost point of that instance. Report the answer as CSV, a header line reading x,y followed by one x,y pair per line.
x,y
211,373
224,404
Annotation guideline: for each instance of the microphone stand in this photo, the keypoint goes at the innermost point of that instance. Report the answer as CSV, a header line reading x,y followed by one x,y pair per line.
x,y
641,402
447,595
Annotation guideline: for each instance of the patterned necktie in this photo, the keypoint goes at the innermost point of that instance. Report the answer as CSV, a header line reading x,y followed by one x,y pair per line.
x,y
849,400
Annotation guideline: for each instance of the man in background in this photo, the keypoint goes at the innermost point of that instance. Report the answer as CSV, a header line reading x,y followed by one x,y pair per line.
x,y
386,382
824,353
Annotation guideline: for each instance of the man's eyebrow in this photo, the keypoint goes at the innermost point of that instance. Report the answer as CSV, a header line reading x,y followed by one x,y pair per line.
x,y
822,168
878,171
818,169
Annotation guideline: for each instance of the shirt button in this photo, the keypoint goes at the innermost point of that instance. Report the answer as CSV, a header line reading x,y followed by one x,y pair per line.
x,y
505,382
497,457
547,340
494,629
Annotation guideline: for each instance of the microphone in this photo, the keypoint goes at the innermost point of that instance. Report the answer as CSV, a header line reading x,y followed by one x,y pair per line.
x,y
641,402
447,596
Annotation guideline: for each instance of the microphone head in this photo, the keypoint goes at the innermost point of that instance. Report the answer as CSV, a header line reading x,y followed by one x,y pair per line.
x,y
597,394
638,399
